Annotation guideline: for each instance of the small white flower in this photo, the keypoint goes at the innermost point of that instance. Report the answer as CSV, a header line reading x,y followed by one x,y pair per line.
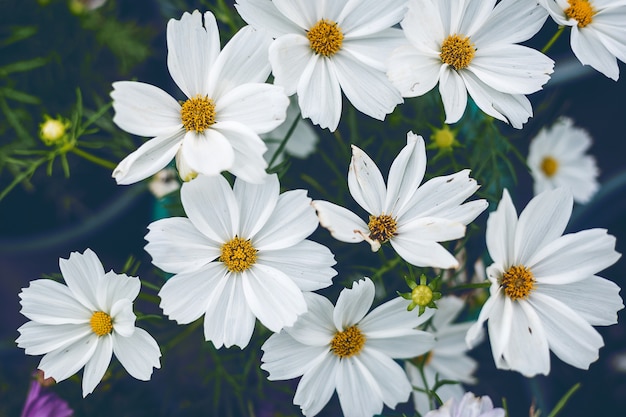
x,y
163,183
84,322
412,218
228,105
598,36
347,349
468,406
241,254
556,158
322,48
447,359
544,293
470,46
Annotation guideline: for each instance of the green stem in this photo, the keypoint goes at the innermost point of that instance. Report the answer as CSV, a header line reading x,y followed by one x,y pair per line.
x,y
283,143
564,400
95,159
553,39
470,286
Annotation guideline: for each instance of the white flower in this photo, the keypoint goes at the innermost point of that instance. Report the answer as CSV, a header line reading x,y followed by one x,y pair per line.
x,y
598,31
556,158
300,144
228,105
470,46
241,254
163,183
468,406
84,322
344,348
544,293
325,47
412,218
447,359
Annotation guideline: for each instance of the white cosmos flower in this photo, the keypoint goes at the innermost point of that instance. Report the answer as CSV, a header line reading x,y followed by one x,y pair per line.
x,y
598,31
544,293
346,349
470,46
556,158
411,217
241,253
324,47
228,105
447,359
468,406
84,322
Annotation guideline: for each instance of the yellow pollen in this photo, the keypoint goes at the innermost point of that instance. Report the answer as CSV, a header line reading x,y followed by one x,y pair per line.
x,y
549,166
325,38
422,295
198,113
238,254
426,358
580,10
457,51
347,343
382,228
101,323
518,282
443,138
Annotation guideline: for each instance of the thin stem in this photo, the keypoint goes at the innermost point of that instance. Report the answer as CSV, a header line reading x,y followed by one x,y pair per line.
x,y
283,143
460,287
95,159
564,400
553,39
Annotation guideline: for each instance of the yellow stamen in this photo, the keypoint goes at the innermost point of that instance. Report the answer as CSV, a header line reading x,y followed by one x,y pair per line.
x,y
580,10
238,254
457,51
198,113
347,343
549,166
518,282
325,38
101,323
382,228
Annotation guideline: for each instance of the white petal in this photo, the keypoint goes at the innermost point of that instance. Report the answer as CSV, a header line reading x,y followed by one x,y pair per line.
x,y
366,17
302,12
256,203
97,365
317,385
149,158
359,393
512,21
175,245
261,107
409,345
211,206
423,253
82,272
209,152
474,16
353,304
62,363
38,339
315,327
366,183
413,72
115,287
244,59
500,233
49,302
392,319
374,50
249,164
448,309
431,229
123,317
453,94
319,94
392,381
342,224
307,263
423,26
289,55
192,49
138,354
264,15
145,110
285,358
590,51
273,298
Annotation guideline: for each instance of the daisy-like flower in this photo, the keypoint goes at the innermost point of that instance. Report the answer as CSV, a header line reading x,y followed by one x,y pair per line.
x,y
241,253
544,293
598,35
468,406
228,105
447,359
470,46
84,322
412,218
556,158
346,349
322,48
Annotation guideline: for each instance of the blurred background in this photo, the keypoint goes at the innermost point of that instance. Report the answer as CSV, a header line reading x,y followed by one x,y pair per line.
x,y
50,49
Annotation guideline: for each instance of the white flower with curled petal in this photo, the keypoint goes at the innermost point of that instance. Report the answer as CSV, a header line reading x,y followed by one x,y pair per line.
x,y
468,406
347,349
228,105
85,322
598,31
324,47
471,46
544,293
412,218
241,254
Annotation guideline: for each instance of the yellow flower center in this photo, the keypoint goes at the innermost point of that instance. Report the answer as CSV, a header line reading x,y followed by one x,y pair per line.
x,y
549,166
347,343
422,295
101,323
517,282
457,51
198,113
580,10
325,38
382,228
238,254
